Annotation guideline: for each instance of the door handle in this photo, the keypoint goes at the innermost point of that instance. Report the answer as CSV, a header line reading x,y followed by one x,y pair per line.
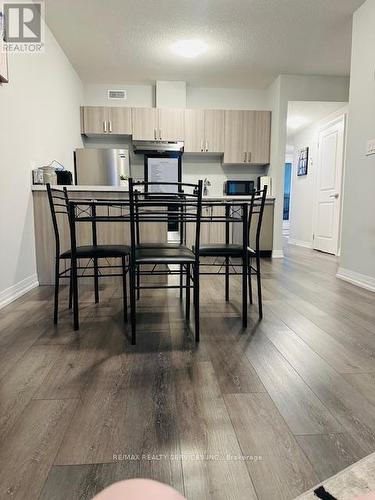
x,y
336,195
105,127
245,157
249,157
110,126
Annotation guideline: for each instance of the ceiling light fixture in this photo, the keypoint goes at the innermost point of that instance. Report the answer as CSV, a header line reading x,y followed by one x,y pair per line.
x,y
189,48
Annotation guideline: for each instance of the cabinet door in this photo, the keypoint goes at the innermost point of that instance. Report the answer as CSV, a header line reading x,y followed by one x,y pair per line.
x,y
214,130
95,120
120,121
194,130
234,137
171,125
145,123
261,138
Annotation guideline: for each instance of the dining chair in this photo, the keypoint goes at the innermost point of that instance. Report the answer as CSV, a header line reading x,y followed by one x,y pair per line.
x,y
248,252
155,207
59,204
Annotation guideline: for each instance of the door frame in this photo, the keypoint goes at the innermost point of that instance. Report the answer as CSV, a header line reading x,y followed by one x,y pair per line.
x,y
342,118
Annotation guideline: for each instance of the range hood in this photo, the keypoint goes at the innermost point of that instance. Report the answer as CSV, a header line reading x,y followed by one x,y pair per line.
x,y
142,147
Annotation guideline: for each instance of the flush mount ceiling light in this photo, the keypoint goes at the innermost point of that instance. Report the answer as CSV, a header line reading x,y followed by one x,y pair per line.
x,y
189,48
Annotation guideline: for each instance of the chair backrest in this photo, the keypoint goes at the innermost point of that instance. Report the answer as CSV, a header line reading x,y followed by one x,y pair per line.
x,y
257,204
58,203
179,201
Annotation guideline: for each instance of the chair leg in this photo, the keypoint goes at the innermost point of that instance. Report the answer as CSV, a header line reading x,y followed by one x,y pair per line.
x,y
227,279
70,290
259,286
75,294
181,280
96,280
250,285
244,292
57,283
133,303
187,292
124,289
138,283
196,302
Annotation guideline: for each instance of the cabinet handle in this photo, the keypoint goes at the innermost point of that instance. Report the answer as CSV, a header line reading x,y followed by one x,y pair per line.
x,y
105,127
249,157
206,145
202,145
159,133
155,134
110,126
245,157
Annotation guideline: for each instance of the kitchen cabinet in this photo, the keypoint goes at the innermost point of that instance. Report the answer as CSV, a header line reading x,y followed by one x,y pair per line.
x,y
145,123
158,124
106,120
204,131
211,231
247,137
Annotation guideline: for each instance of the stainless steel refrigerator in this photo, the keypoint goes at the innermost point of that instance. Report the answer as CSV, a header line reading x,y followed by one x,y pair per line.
x,y
101,167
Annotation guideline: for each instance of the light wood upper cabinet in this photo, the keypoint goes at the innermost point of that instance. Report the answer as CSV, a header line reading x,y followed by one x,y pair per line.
x,y
194,130
214,130
171,125
106,120
204,131
145,123
247,137
151,124
234,146
120,120
94,120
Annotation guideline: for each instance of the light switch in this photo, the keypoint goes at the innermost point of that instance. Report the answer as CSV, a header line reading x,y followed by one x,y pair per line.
x,y
370,150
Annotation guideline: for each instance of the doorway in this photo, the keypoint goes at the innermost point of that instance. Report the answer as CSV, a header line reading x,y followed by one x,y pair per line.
x,y
316,135
287,190
328,195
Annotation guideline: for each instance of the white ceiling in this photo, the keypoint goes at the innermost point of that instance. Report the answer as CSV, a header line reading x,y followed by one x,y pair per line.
x,y
250,42
304,113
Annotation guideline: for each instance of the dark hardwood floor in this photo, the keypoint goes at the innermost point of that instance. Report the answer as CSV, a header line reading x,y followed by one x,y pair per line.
x,y
264,413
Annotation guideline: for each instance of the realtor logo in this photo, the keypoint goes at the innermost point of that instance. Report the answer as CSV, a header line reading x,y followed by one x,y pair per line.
x,y
23,27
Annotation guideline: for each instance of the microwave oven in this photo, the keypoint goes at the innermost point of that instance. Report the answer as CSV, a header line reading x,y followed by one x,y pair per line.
x,y
239,188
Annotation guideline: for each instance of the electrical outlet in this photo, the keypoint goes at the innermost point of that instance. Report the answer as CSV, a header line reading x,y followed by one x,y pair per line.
x,y
370,149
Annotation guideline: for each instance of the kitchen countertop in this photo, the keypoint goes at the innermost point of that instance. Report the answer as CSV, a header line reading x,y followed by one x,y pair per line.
x,y
122,189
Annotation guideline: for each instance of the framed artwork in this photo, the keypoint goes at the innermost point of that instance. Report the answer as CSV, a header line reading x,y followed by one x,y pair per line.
x,y
303,161
4,71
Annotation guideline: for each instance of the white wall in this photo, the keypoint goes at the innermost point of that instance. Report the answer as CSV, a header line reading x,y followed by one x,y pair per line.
x,y
39,123
303,187
357,262
294,88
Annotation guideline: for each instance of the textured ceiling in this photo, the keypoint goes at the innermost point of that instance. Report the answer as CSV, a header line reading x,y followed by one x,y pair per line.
x,y
309,112
250,41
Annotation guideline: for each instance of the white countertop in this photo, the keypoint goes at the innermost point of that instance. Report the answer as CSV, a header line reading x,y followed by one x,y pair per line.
x,y
115,189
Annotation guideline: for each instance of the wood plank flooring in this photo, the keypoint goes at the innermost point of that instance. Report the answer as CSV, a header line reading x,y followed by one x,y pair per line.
x,y
257,414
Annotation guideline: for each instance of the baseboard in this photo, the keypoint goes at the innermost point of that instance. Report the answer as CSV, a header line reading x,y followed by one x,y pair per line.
x,y
15,291
299,243
361,280
277,254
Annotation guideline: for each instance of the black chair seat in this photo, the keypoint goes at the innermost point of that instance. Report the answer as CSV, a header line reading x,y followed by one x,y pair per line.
x,y
164,255
98,251
222,250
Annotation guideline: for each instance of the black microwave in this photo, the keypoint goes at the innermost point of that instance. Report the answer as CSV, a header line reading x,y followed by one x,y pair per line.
x,y
238,188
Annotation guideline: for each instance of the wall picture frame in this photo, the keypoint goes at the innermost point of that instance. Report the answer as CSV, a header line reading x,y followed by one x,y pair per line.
x,y
303,161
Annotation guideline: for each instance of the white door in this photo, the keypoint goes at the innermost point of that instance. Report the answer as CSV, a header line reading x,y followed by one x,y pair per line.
x,y
329,187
